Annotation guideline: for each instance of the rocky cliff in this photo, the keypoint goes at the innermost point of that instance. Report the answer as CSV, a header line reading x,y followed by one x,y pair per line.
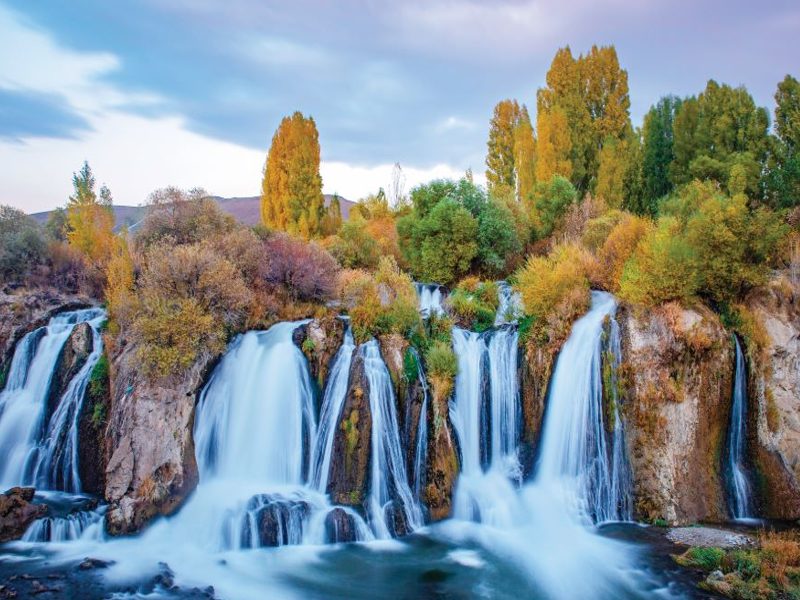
x,y
676,376
771,327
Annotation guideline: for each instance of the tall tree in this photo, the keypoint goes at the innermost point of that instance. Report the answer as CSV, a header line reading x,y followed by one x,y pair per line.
x,y
500,168
525,155
787,112
612,173
592,91
291,190
90,218
783,176
657,150
553,145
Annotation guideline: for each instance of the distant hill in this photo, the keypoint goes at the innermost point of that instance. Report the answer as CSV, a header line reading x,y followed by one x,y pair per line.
x,y
246,210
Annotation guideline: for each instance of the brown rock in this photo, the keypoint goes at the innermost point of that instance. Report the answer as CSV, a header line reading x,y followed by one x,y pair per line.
x,y
349,474
443,464
677,374
774,390
17,512
320,340
73,356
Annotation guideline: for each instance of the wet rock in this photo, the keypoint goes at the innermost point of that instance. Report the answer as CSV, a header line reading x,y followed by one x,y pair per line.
x,y
73,356
773,353
676,380
320,340
443,463
151,466
88,564
17,512
92,422
340,527
715,576
395,516
274,521
349,473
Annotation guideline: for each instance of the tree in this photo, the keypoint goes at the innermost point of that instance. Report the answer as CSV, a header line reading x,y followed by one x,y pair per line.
x,y
397,187
332,220
525,155
613,171
783,177
447,242
353,247
291,190
90,220
551,200
787,112
719,129
592,91
500,164
497,238
554,146
120,278
657,151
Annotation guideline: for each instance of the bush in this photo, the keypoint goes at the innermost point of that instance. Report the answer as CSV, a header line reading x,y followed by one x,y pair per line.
x,y
497,238
353,247
442,366
176,216
598,229
475,303
550,201
663,268
545,282
618,247
708,559
22,245
303,269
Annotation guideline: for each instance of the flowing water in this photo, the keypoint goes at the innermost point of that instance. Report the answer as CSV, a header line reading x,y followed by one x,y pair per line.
x,y
263,458
509,307
740,500
430,299
421,449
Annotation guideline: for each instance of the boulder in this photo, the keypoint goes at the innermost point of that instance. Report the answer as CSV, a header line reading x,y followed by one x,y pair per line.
x,y
273,521
349,476
340,527
320,340
17,512
773,348
443,466
676,381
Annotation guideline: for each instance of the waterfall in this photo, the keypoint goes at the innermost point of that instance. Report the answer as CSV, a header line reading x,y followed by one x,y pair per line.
x,y
332,404
34,452
509,306
576,452
56,457
430,299
740,502
506,412
389,490
421,450
467,408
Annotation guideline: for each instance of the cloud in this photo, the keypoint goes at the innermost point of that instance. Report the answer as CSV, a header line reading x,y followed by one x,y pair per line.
x,y
34,114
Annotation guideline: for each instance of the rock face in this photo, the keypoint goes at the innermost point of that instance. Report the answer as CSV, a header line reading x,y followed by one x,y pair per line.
x,y
536,366
92,423
349,474
677,377
23,312
443,464
151,467
319,340
73,356
774,394
17,512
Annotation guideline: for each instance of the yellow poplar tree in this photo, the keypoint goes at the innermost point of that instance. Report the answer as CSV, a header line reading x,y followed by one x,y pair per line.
x,y
90,219
291,190
500,169
525,155
553,145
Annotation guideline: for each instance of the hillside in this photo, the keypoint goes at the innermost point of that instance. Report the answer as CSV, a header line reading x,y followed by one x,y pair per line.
x,y
244,209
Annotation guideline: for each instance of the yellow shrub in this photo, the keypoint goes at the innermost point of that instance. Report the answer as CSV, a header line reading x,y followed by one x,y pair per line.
x,y
618,247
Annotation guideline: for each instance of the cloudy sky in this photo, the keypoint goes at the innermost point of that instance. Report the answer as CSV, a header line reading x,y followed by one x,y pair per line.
x,y
189,92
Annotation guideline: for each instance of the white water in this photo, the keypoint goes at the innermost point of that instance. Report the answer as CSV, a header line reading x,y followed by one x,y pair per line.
x,y
29,457
740,500
332,404
575,451
421,450
430,299
509,307
387,464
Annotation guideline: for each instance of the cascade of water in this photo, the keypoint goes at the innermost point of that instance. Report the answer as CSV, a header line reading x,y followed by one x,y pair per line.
x,y
332,403
738,484
55,460
506,415
389,489
575,452
509,307
430,299
467,408
421,451
23,402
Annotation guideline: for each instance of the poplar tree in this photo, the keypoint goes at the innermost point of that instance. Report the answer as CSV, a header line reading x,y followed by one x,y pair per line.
x,y
525,155
90,218
291,190
554,146
500,169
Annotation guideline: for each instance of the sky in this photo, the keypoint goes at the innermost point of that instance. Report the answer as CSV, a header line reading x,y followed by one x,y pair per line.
x,y
189,92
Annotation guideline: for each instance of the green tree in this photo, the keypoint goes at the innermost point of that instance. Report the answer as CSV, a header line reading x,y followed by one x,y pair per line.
x,y
657,151
497,238
783,177
353,247
447,240
22,245
332,220
551,200
291,190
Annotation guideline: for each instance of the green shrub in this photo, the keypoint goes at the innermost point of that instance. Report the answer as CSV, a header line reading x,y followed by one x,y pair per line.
x,y
475,303
98,380
410,365
708,559
746,563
